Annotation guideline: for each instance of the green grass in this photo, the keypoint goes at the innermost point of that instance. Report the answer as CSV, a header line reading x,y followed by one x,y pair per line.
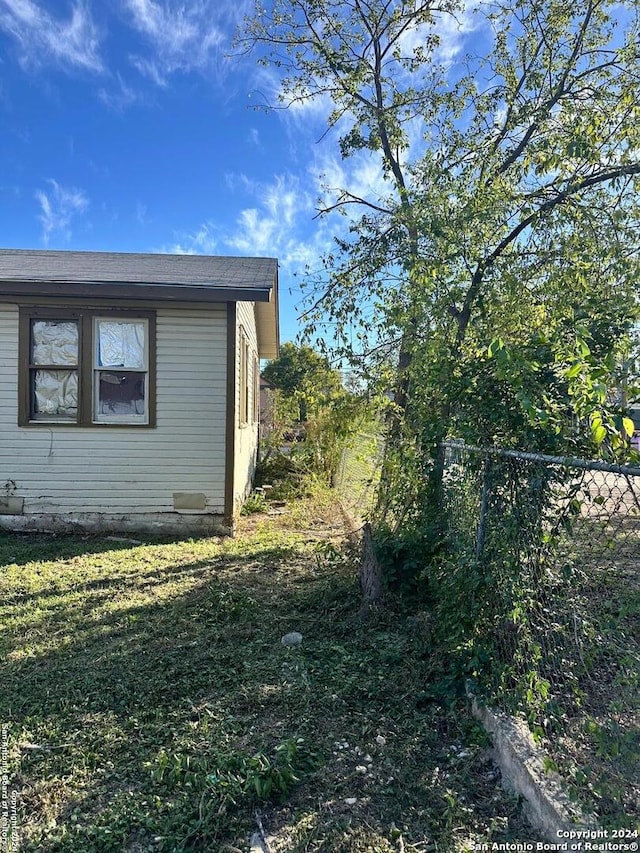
x,y
152,707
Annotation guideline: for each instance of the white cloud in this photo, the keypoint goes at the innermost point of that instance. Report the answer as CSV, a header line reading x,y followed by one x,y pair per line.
x,y
454,31
184,37
151,69
451,30
201,242
58,207
239,181
276,224
120,97
42,37
267,92
361,176
141,213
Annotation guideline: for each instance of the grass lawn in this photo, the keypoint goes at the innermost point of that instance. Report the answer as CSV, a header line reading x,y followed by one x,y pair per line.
x,y
152,707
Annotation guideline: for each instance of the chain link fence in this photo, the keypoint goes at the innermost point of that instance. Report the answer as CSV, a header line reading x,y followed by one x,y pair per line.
x,y
532,586
359,470
540,540
542,580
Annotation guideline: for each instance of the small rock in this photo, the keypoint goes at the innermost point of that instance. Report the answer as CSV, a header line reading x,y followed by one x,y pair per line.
x,y
291,639
351,801
256,843
367,759
381,741
361,769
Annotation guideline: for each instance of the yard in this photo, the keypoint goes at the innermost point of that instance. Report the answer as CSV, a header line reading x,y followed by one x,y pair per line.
x,y
151,705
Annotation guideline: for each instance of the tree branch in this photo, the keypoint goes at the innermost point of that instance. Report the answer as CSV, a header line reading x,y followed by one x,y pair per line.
x,y
570,191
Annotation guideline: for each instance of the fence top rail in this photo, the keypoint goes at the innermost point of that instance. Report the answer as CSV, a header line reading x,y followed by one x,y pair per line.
x,y
565,461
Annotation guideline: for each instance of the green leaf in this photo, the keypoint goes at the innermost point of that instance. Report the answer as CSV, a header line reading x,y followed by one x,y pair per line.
x,y
583,348
574,370
495,345
628,426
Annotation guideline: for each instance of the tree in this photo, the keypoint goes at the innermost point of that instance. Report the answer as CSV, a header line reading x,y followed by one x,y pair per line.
x,y
502,263
362,56
302,375
332,415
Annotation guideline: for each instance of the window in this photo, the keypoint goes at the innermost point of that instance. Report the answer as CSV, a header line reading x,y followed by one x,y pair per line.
x,y
120,392
54,355
87,367
244,378
256,390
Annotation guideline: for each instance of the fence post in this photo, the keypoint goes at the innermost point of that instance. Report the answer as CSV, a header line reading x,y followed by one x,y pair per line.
x,y
484,506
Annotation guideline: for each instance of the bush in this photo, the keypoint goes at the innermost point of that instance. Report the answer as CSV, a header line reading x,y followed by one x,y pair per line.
x,y
256,502
284,475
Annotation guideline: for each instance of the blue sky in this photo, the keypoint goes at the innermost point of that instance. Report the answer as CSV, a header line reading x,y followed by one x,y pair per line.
x,y
128,126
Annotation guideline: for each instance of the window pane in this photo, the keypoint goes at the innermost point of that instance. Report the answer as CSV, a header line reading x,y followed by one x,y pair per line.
x,y
55,394
54,342
120,344
120,393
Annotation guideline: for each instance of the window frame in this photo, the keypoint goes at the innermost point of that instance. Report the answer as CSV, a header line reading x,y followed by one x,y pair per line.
x,y
97,369
255,411
85,318
243,379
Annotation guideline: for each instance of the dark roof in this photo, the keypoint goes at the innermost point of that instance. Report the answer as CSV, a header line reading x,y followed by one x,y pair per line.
x,y
135,268
28,273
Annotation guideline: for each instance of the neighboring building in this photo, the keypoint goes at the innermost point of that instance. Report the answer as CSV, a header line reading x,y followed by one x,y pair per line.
x,y
129,388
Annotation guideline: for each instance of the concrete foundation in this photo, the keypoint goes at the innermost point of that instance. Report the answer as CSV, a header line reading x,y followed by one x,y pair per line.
x,y
160,523
524,770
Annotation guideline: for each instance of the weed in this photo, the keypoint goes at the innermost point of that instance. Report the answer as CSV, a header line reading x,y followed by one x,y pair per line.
x,y
285,477
256,502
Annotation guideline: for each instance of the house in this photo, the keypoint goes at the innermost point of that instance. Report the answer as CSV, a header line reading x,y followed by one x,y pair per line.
x,y
129,388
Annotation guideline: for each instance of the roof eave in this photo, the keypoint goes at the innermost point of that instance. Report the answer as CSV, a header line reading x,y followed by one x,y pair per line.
x,y
268,324
125,290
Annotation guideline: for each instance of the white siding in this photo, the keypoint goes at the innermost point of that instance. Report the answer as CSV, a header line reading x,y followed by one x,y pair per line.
x,y
119,470
246,438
